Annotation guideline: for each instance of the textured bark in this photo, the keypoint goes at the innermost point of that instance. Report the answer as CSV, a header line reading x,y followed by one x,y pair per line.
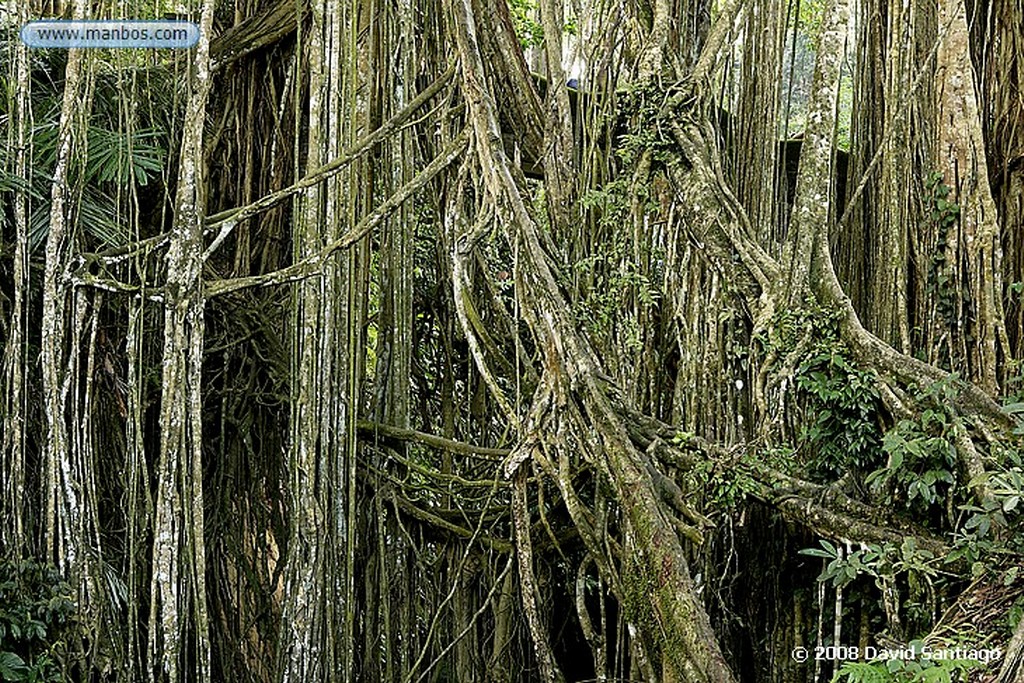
x,y
256,33
441,369
303,653
1000,96
179,639
559,157
528,584
963,160
1013,661
64,539
754,124
13,532
893,214
809,223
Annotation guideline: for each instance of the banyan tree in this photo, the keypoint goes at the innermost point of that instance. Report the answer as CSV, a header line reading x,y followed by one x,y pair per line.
x,y
515,340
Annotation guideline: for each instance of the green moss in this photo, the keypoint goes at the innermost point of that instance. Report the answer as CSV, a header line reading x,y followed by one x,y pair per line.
x,y
639,588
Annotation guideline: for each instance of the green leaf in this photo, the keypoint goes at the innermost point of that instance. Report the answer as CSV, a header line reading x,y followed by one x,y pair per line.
x,y
1010,576
829,551
1014,408
934,675
12,667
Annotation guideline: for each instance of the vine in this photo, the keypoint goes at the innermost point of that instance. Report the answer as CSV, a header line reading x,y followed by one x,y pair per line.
x,y
943,216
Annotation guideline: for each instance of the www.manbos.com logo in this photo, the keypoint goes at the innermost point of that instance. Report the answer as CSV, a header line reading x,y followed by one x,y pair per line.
x,y
99,34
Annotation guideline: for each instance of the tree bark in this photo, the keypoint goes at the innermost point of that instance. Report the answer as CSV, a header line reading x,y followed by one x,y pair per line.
x,y
963,161
179,638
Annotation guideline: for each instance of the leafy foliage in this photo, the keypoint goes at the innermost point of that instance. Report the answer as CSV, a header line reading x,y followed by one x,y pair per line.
x,y
611,276
922,460
115,158
36,611
529,31
810,19
906,671
122,158
728,485
642,111
991,527
882,562
840,400
843,408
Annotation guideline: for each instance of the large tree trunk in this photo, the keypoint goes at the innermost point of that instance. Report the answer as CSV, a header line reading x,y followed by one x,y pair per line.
x,y
975,248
